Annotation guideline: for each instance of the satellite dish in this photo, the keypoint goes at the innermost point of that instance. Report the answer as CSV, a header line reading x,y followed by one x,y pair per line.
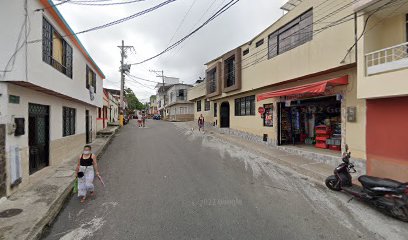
x,y
91,93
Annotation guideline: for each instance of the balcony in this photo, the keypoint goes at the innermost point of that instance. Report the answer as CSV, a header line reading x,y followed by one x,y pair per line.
x,y
387,59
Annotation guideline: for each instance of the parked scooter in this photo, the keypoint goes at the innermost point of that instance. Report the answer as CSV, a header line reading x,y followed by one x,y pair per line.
x,y
389,196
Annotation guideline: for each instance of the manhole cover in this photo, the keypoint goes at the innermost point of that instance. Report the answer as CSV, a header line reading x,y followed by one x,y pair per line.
x,y
10,212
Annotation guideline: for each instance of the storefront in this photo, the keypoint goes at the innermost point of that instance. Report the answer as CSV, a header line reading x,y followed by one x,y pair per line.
x,y
309,114
313,121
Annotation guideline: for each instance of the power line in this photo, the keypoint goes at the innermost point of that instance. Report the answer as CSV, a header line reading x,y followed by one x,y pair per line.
x,y
143,79
218,13
138,14
92,3
315,32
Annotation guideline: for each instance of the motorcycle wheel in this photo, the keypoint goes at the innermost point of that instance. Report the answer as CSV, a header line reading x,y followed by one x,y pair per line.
x,y
331,183
400,213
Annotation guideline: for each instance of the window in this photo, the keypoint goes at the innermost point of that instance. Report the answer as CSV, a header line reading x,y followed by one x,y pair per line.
x,y
172,97
292,35
14,99
182,94
207,106
259,43
215,110
245,52
68,118
230,71
56,51
90,79
212,80
199,106
245,106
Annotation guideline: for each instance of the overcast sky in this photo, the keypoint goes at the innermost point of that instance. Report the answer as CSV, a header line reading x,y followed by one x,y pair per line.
x,y
151,33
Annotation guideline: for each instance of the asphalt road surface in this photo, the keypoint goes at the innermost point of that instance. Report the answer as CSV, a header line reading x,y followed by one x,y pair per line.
x,y
168,182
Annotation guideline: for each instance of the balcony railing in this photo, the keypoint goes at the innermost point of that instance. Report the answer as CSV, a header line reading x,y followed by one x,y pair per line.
x,y
387,59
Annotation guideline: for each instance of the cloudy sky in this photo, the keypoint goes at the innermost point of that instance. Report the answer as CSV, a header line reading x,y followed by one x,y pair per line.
x,y
152,33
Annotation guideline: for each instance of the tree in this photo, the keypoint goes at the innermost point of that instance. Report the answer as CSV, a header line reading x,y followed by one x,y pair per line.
x,y
133,102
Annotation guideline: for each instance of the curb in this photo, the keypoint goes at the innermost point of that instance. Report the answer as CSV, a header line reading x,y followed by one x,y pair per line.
x,y
58,203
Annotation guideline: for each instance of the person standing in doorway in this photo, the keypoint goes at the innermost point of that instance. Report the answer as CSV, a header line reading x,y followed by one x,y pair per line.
x,y
201,123
85,171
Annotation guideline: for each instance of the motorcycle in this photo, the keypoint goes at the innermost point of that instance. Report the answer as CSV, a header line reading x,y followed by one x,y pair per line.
x,y
387,195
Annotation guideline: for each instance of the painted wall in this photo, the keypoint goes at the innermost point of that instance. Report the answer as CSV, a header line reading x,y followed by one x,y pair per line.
x,y
198,91
387,153
61,148
39,72
312,57
383,34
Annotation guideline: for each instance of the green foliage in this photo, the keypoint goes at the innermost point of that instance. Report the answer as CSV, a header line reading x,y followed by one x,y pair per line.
x,y
133,102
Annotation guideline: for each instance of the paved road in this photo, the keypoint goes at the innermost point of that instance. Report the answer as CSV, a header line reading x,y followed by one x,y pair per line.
x,y
166,182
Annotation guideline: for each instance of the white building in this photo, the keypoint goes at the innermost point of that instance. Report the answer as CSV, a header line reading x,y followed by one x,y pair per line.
x,y
178,108
50,90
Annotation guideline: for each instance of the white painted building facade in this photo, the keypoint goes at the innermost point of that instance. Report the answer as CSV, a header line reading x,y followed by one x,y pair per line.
x,y
50,90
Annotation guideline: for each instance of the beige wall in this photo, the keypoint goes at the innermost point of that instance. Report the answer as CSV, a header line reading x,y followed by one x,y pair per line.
x,y
198,91
309,58
383,34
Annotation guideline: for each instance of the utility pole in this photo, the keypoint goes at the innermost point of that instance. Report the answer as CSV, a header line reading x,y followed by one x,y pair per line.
x,y
162,76
124,68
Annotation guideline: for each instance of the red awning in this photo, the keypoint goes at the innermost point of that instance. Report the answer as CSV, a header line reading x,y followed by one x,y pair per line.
x,y
312,88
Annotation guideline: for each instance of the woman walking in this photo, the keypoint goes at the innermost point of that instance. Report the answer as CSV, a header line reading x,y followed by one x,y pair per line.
x,y
85,172
201,123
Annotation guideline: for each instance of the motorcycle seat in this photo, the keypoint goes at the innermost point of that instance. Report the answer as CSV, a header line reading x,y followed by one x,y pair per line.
x,y
370,182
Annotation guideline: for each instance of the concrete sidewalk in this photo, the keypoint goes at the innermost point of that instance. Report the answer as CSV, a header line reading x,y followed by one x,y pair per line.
x,y
41,201
317,171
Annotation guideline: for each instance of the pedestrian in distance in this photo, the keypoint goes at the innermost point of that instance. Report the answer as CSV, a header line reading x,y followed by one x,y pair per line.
x,y
85,171
139,119
201,123
144,120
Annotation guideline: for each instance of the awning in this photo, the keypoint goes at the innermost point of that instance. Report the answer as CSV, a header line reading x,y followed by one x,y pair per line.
x,y
312,88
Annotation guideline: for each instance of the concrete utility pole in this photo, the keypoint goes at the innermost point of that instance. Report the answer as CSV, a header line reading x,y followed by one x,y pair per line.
x,y
123,69
162,76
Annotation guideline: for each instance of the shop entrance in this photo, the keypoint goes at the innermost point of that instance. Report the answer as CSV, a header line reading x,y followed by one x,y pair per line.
x,y
315,122
225,115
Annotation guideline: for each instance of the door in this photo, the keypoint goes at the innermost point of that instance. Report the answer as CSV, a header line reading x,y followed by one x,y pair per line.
x,y
38,136
88,127
225,115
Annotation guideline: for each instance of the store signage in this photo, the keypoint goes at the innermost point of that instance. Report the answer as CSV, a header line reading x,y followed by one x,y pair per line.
x,y
261,110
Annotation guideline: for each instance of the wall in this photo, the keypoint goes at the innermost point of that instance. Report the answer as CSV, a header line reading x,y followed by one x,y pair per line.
x,y
384,34
309,58
175,113
198,91
353,132
208,115
39,72
61,148
387,152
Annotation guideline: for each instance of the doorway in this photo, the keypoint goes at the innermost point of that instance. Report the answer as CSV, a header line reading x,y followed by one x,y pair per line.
x,y
225,115
38,136
88,127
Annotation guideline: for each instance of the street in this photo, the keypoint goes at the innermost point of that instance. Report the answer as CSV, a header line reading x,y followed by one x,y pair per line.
x,y
166,182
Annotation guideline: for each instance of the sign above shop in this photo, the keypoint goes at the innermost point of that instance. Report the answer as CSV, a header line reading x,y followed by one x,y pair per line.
x,y
261,110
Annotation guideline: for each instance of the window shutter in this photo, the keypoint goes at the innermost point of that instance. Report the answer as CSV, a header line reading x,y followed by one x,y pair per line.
x,y
47,41
68,59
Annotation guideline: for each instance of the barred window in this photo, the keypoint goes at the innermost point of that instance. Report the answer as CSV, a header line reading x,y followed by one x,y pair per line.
x,y
230,66
245,106
199,106
207,106
56,51
68,118
292,35
212,80
90,78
